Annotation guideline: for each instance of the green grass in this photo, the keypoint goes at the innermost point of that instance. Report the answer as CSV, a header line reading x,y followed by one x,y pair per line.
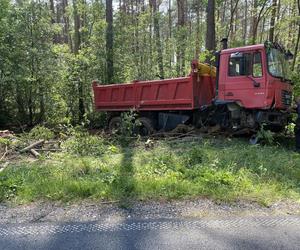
x,y
221,169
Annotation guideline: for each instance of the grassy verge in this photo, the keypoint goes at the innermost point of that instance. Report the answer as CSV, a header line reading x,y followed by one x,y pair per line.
x,y
91,167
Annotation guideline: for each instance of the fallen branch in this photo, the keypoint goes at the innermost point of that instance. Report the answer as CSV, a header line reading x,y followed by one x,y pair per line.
x,y
3,166
5,133
34,153
49,149
32,146
188,138
52,142
182,135
5,153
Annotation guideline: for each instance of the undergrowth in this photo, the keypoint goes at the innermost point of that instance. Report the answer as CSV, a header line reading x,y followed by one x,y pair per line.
x,y
95,167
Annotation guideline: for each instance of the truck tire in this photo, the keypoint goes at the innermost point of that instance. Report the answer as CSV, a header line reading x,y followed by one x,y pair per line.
x,y
114,124
146,127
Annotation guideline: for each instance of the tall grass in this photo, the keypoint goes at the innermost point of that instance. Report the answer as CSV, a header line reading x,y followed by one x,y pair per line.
x,y
222,169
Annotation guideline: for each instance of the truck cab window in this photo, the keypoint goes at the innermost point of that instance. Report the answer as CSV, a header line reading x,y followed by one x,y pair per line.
x,y
257,65
239,64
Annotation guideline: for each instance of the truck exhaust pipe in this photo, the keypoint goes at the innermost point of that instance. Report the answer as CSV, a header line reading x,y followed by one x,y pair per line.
x,y
224,42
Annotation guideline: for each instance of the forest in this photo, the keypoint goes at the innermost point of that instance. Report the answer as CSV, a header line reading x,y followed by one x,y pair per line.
x,y
51,50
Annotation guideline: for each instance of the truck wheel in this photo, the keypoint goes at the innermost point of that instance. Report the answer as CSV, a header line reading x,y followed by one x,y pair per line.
x,y
146,127
114,124
254,140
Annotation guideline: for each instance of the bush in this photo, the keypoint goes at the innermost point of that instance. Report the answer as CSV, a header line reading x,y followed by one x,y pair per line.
x,y
83,144
129,123
266,136
40,132
97,119
193,157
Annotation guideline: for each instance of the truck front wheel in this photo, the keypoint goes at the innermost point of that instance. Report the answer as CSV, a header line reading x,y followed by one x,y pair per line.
x,y
114,124
145,127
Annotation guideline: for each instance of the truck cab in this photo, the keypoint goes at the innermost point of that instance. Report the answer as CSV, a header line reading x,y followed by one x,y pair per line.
x,y
256,78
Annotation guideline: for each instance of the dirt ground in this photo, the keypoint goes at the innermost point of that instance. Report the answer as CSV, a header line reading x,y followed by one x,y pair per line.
x,y
86,211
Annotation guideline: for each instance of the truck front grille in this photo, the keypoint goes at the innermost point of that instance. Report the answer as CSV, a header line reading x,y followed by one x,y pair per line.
x,y
286,97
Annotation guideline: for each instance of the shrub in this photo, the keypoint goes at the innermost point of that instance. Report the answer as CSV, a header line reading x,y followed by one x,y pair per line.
x,y
40,132
129,122
193,157
266,136
83,144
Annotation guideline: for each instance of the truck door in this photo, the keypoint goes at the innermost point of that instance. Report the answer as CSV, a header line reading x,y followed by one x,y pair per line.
x,y
246,79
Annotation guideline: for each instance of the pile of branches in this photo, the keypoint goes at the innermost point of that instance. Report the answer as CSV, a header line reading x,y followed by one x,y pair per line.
x,y
12,147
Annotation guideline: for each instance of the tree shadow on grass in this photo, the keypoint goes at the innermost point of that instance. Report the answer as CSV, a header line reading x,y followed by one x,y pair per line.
x,y
124,186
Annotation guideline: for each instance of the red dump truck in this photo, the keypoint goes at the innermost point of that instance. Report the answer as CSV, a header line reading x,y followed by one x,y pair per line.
x,y
249,86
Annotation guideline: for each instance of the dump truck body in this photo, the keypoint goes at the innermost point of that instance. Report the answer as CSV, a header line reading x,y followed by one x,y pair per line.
x,y
184,93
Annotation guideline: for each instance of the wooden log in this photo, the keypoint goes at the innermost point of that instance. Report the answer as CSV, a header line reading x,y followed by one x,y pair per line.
x,y
5,133
3,166
34,153
32,146
48,149
5,153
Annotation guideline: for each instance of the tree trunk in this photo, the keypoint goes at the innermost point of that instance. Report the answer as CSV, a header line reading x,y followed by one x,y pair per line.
x,y
245,22
256,19
52,11
262,30
272,22
181,37
298,39
197,43
170,33
232,12
160,63
77,43
53,21
66,21
109,41
76,28
210,41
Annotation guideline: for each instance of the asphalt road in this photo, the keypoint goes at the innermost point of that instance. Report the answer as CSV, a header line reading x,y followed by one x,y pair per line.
x,y
229,233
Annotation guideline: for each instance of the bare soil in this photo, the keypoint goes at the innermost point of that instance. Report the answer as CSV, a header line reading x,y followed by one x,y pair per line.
x,y
87,211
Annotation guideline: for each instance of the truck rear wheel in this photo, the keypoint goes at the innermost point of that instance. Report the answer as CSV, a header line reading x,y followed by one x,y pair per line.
x,y
145,127
114,124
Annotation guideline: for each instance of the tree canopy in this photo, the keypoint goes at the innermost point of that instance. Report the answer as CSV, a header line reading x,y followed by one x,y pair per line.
x,y
51,50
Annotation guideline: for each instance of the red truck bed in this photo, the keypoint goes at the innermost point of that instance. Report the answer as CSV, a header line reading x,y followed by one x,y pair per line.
x,y
185,93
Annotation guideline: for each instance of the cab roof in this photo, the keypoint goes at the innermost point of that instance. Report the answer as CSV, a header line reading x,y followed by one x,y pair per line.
x,y
244,48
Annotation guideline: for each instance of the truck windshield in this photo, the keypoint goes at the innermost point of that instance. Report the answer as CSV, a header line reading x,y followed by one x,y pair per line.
x,y
277,64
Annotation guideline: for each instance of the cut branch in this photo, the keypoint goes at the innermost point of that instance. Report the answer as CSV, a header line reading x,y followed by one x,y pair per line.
x,y
32,146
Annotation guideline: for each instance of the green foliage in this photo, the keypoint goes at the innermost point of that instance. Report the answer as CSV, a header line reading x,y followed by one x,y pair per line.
x,y
266,136
296,81
82,144
4,142
128,123
97,119
43,80
40,132
194,157
223,170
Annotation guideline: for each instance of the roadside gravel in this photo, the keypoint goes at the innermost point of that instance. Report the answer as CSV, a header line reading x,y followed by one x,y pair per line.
x,y
87,211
